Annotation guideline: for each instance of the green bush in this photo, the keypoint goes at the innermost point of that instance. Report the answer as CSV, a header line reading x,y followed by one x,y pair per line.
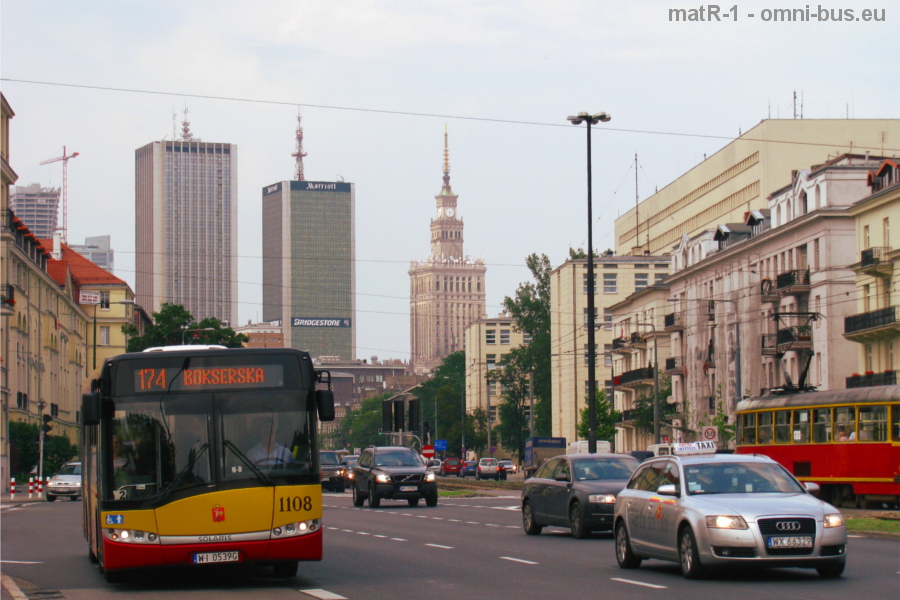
x,y
24,437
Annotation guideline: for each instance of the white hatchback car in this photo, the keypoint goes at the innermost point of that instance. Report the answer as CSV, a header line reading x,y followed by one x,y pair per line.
x,y
67,482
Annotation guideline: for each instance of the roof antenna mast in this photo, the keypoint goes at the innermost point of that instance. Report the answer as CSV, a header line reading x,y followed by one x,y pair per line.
x,y
298,154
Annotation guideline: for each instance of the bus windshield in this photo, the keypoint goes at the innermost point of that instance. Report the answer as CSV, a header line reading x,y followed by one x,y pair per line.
x,y
166,444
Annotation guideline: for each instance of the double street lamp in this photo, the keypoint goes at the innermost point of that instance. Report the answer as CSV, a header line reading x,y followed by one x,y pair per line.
x,y
185,331
584,117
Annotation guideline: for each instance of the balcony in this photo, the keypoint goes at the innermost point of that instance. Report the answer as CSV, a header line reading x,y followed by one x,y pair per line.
x,y
674,322
769,344
873,325
637,340
7,299
794,338
873,379
635,377
675,366
874,261
626,416
620,346
792,283
767,291
7,225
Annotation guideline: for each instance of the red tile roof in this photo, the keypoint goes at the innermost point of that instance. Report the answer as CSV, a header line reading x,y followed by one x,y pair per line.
x,y
84,272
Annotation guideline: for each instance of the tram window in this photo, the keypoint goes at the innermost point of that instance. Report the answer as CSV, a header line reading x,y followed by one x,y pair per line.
x,y
748,429
895,423
845,424
782,427
873,423
801,427
764,431
822,425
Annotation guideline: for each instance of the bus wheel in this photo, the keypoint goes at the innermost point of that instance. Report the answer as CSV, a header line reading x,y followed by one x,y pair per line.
x,y
286,569
91,556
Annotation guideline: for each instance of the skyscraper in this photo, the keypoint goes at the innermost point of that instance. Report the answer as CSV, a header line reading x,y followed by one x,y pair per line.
x,y
309,264
98,250
37,207
186,226
447,290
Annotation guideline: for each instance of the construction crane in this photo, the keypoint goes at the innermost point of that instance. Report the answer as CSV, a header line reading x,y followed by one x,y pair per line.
x,y
65,186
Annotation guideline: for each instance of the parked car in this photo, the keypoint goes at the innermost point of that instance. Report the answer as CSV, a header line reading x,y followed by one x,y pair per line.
x,y
510,466
576,491
641,455
67,482
434,465
452,466
393,473
332,471
469,469
348,462
488,468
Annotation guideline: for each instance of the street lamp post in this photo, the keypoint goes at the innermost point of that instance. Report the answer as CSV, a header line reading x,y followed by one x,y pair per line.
x,y
584,117
184,331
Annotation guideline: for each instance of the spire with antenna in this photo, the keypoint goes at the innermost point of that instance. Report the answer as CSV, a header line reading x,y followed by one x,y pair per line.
x,y
186,134
446,163
298,153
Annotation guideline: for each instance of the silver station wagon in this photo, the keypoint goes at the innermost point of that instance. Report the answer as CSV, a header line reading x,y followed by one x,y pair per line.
x,y
706,510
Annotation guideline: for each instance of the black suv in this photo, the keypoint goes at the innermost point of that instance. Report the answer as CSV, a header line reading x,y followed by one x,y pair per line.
x,y
393,473
332,471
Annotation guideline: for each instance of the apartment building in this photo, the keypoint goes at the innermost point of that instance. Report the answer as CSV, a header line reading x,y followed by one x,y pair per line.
x,y
488,341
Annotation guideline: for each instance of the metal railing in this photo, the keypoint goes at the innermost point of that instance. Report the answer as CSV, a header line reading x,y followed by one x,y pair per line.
x,y
674,319
873,256
789,335
769,341
786,280
635,375
6,220
676,362
8,294
637,338
870,320
872,379
619,343
625,416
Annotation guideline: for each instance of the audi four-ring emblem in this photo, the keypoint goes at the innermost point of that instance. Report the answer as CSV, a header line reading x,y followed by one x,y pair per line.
x,y
787,526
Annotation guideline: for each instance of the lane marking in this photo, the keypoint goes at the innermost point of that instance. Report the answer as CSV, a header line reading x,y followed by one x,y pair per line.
x,y
472,523
399,540
855,536
454,520
323,594
492,525
332,528
380,536
22,562
439,546
362,533
438,518
347,530
519,560
649,585
511,526
406,514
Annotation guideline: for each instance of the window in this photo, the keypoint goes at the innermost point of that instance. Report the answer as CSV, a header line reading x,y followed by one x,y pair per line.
x,y
659,277
609,283
822,425
748,429
801,426
845,424
504,336
607,319
547,471
640,281
782,427
104,300
867,240
873,423
491,362
526,337
104,335
764,431
586,317
886,232
490,336
895,423
607,355
816,254
585,283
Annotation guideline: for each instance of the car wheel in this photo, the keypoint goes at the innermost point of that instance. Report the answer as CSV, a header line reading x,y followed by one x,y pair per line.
x,y
477,477
576,522
286,569
357,498
689,555
831,571
528,521
431,500
51,498
73,498
341,489
625,556
374,500
413,501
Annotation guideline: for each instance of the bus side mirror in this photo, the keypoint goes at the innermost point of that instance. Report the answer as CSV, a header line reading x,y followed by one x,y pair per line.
x,y
325,404
90,408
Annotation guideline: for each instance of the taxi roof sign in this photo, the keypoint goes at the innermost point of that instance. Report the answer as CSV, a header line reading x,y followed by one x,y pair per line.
x,y
695,448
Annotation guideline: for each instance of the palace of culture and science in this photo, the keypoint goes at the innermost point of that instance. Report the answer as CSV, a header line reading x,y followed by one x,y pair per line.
x,y
447,290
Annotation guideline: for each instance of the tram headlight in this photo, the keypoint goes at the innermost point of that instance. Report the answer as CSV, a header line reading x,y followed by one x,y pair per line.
x,y
834,520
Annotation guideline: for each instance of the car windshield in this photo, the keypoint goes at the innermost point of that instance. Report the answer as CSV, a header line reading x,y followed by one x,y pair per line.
x,y
398,459
329,458
350,461
70,470
738,478
451,461
595,469
490,462
470,463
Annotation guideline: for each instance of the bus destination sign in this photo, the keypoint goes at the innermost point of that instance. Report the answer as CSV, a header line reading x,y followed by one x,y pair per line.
x,y
208,378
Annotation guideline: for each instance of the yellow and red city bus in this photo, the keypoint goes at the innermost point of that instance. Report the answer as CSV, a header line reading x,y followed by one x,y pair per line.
x,y
203,456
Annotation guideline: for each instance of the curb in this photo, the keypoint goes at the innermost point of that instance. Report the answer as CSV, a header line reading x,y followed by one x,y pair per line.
x,y
883,535
12,588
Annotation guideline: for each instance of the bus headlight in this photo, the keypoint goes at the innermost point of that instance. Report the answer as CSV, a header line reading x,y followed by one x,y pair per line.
x,y
130,536
834,520
296,529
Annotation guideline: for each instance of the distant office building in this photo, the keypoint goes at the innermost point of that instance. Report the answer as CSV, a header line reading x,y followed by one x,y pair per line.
x,y
447,289
37,207
309,264
186,227
97,250
262,335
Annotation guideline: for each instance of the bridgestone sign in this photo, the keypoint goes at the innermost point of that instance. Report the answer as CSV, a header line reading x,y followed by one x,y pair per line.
x,y
312,322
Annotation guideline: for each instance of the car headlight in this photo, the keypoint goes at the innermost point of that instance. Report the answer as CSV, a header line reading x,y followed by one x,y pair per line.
x,y
383,478
429,476
726,522
834,520
602,499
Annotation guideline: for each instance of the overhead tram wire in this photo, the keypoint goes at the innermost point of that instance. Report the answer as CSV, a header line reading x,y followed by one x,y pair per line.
x,y
421,114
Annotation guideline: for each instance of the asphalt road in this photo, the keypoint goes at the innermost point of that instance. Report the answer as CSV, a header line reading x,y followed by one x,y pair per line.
x,y
464,548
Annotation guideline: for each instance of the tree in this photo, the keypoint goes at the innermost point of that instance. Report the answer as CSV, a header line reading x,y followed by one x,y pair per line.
x,y
446,391
514,426
719,420
606,415
531,310
642,409
169,326
57,448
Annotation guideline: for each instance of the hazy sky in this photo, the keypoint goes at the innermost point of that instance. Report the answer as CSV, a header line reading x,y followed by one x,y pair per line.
x,y
521,186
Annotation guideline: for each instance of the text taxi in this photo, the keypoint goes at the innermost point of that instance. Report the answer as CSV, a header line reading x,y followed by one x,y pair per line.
x,y
705,510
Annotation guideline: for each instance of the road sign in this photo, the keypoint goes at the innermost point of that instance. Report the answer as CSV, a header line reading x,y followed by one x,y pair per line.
x,y
440,445
710,434
665,439
493,449
428,451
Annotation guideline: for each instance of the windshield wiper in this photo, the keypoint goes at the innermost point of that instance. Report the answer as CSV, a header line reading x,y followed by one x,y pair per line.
x,y
259,474
178,477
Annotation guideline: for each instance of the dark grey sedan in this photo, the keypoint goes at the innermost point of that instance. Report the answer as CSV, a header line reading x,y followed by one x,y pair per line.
x,y
576,491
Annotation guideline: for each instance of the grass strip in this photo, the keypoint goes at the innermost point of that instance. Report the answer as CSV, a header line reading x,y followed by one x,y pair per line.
x,y
883,525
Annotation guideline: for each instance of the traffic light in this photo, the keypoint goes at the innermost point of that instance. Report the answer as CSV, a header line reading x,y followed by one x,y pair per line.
x,y
387,416
413,415
46,427
399,416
